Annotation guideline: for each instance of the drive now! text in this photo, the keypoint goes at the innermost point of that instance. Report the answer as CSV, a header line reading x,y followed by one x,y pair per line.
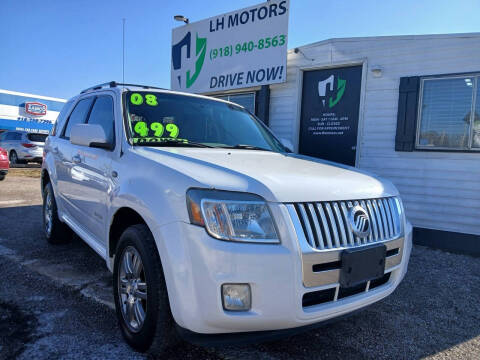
x,y
254,77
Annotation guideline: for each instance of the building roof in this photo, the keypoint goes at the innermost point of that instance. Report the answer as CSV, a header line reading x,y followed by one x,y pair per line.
x,y
31,95
390,37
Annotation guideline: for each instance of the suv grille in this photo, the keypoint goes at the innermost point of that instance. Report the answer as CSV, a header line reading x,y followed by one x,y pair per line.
x,y
332,294
326,225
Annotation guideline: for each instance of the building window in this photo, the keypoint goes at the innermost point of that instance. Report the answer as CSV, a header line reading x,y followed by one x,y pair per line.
x,y
247,100
449,113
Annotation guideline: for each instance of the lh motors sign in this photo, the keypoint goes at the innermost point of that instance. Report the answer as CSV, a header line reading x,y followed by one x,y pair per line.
x,y
243,48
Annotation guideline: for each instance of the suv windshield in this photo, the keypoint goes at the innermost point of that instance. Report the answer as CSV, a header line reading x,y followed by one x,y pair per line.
x,y
159,119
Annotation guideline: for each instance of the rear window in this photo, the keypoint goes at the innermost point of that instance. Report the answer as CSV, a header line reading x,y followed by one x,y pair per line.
x,y
37,137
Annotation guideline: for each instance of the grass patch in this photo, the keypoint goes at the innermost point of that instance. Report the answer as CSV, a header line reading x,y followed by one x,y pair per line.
x,y
26,172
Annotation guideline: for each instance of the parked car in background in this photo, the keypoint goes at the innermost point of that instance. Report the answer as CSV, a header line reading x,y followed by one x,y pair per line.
x,y
4,164
22,146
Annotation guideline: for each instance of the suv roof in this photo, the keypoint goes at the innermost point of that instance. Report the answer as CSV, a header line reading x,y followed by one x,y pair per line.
x,y
114,84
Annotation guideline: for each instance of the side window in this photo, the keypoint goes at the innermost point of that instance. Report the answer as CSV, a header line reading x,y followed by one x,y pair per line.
x,y
102,114
78,115
446,117
61,118
247,100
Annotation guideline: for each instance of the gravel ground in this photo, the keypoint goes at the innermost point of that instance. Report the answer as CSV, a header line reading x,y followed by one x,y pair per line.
x,y
56,302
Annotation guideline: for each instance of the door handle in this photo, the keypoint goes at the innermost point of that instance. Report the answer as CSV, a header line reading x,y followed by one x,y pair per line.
x,y
55,150
77,159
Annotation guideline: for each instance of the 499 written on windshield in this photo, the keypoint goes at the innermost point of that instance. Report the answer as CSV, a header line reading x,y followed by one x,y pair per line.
x,y
152,131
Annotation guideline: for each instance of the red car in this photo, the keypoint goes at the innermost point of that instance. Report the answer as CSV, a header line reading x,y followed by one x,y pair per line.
x,y
4,164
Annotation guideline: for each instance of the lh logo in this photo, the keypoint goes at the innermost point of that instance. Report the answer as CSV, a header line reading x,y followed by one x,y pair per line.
x,y
200,51
330,83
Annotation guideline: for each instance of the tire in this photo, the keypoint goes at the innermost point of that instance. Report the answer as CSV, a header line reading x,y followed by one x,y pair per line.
x,y
2,177
13,158
156,333
56,232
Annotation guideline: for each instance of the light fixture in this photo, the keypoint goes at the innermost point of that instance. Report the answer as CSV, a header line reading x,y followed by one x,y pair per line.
x,y
376,71
181,18
236,297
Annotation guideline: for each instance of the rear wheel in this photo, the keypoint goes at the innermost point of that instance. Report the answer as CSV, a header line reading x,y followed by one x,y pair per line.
x,y
56,232
141,298
13,157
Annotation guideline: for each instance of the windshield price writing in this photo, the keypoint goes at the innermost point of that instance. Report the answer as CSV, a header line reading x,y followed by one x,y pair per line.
x,y
158,129
141,128
137,99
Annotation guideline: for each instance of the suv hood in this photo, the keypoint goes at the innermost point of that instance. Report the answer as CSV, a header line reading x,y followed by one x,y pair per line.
x,y
274,176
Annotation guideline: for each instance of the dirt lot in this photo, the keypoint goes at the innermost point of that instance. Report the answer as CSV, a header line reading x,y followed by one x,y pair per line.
x,y
56,302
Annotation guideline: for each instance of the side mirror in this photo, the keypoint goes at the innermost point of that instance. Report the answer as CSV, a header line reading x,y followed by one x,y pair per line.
x,y
287,143
91,135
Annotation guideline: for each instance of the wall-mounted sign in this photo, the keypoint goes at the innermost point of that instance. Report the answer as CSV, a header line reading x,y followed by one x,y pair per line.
x,y
35,108
330,108
243,48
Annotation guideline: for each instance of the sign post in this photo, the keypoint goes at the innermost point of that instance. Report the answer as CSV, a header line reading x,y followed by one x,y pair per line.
x,y
243,48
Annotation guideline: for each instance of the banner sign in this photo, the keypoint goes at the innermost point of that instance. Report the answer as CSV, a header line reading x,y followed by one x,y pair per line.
x,y
35,108
243,48
330,110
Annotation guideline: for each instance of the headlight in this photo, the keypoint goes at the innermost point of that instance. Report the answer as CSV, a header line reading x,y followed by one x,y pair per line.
x,y
232,216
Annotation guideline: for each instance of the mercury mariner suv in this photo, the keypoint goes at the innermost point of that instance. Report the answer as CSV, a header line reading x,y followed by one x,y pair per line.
x,y
213,229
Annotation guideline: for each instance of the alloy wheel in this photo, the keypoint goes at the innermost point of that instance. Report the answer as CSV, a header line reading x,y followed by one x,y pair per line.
x,y
132,289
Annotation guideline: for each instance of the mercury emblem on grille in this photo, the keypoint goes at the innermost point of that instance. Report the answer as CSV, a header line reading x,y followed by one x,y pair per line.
x,y
359,221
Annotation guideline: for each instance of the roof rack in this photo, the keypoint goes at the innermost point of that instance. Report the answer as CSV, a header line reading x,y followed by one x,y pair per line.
x,y
115,84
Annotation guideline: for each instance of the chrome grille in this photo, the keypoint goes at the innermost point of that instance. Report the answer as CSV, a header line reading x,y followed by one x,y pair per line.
x,y
326,224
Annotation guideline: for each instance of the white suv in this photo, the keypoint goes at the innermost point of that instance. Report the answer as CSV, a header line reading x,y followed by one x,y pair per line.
x,y
212,228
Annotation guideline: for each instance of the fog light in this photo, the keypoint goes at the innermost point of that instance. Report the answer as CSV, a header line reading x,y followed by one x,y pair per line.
x,y
236,297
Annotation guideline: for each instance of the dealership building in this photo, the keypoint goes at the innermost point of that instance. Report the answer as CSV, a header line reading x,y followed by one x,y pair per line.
x,y
404,107
27,112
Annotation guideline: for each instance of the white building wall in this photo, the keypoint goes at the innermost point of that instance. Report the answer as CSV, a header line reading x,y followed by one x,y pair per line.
x,y
440,190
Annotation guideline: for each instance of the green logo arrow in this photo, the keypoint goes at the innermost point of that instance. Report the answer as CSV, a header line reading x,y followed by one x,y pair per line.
x,y
341,84
200,51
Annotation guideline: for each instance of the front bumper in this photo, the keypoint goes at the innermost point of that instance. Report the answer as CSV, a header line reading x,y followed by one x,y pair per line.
x,y
196,265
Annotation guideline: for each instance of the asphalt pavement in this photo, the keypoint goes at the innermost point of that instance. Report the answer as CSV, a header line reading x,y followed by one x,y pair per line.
x,y
56,303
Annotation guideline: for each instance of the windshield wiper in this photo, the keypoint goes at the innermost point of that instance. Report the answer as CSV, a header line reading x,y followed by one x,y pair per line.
x,y
178,143
246,147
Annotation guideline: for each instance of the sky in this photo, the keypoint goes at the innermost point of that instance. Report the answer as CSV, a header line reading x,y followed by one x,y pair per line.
x,y
59,47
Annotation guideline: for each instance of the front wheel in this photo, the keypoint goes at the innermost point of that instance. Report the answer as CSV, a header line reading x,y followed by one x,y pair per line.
x,y
140,292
